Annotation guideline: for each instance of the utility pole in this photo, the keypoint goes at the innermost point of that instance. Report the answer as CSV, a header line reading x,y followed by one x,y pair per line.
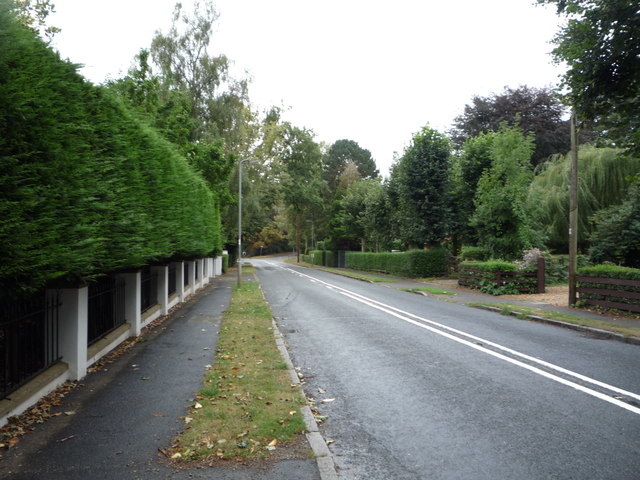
x,y
573,211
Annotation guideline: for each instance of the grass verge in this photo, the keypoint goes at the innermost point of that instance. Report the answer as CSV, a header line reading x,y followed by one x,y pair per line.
x,y
523,310
248,406
436,291
358,276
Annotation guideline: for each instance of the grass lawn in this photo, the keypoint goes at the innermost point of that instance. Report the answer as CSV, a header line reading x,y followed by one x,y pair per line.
x,y
248,406
437,291
507,308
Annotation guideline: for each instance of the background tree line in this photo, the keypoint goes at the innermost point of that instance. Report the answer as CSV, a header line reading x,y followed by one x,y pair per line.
x,y
498,179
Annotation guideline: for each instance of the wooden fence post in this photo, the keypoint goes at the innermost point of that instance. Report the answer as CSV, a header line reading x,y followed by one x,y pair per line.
x,y
541,274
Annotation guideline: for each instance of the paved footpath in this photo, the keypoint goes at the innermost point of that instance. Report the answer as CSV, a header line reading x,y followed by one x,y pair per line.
x,y
124,413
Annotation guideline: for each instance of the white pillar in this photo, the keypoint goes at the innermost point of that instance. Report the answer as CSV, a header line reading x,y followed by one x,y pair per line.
x,y
218,266
132,303
72,330
163,287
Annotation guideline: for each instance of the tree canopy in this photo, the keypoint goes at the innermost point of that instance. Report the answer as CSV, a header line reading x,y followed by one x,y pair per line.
x,y
601,47
421,183
534,110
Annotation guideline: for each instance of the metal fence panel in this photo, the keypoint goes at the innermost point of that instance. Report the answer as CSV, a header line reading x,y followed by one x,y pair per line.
x,y
28,339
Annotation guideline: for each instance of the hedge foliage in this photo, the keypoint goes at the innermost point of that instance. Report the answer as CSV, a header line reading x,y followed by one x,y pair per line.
x,y
325,258
484,277
610,271
414,263
86,187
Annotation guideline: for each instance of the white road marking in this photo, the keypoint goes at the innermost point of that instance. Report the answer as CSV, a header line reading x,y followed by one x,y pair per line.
x,y
443,330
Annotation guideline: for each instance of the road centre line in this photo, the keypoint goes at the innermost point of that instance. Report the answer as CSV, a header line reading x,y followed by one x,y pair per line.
x,y
438,328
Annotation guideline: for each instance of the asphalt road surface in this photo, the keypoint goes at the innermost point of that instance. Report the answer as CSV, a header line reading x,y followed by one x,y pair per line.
x,y
417,388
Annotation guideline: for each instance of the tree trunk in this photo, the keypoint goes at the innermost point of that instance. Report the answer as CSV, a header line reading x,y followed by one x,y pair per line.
x,y
298,236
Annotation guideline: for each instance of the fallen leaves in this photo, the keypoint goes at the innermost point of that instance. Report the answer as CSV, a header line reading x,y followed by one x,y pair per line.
x,y
23,424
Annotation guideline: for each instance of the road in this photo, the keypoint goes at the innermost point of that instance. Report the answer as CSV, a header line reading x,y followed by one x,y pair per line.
x,y
417,388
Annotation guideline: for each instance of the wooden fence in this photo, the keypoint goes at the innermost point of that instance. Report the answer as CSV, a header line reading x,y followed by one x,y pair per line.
x,y
606,290
519,279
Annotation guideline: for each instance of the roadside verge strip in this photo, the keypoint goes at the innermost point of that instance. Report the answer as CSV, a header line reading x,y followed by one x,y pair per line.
x,y
597,332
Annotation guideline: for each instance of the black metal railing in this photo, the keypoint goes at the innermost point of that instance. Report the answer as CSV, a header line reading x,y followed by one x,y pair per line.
x,y
28,339
106,307
186,273
148,289
172,279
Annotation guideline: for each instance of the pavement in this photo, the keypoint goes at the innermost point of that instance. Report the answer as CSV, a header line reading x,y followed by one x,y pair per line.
x,y
114,425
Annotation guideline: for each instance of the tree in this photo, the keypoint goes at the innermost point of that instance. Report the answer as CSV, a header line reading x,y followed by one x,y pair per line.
x,y
467,169
33,14
500,219
535,111
603,183
601,47
617,232
362,219
420,182
219,103
343,153
300,176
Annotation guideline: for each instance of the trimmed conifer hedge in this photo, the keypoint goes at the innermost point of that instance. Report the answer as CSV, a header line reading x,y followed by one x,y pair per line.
x,y
414,263
86,187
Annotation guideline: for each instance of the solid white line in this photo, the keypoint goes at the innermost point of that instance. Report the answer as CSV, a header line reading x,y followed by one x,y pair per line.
x,y
405,316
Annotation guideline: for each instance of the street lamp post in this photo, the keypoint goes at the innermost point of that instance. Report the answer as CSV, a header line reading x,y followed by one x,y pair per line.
x,y
240,219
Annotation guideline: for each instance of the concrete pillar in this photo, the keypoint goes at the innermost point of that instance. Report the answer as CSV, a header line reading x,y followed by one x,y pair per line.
x,y
217,268
163,287
132,304
72,330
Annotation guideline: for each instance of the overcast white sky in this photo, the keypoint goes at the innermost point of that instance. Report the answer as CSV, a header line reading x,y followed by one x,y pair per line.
x,y
372,71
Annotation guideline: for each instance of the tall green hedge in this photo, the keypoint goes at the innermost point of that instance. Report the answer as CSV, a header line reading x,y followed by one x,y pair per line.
x,y
414,263
86,187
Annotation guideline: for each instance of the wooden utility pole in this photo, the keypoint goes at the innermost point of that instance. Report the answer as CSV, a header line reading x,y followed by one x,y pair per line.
x,y
573,212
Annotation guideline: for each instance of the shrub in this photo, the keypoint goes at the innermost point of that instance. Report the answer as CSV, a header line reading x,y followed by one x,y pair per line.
x,y
469,253
488,278
609,271
414,263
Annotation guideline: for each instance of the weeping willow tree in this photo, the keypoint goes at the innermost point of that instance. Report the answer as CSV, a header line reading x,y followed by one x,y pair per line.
x,y
604,181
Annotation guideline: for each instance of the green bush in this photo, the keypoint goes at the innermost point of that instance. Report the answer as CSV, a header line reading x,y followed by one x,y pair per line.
x,y
486,279
414,263
86,187
469,253
225,263
609,271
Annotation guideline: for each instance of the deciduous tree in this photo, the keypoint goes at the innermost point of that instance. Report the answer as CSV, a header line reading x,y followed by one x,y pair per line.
x,y
600,45
420,182
535,111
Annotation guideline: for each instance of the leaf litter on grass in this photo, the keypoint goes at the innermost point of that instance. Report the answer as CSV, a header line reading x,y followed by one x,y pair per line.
x,y
248,408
